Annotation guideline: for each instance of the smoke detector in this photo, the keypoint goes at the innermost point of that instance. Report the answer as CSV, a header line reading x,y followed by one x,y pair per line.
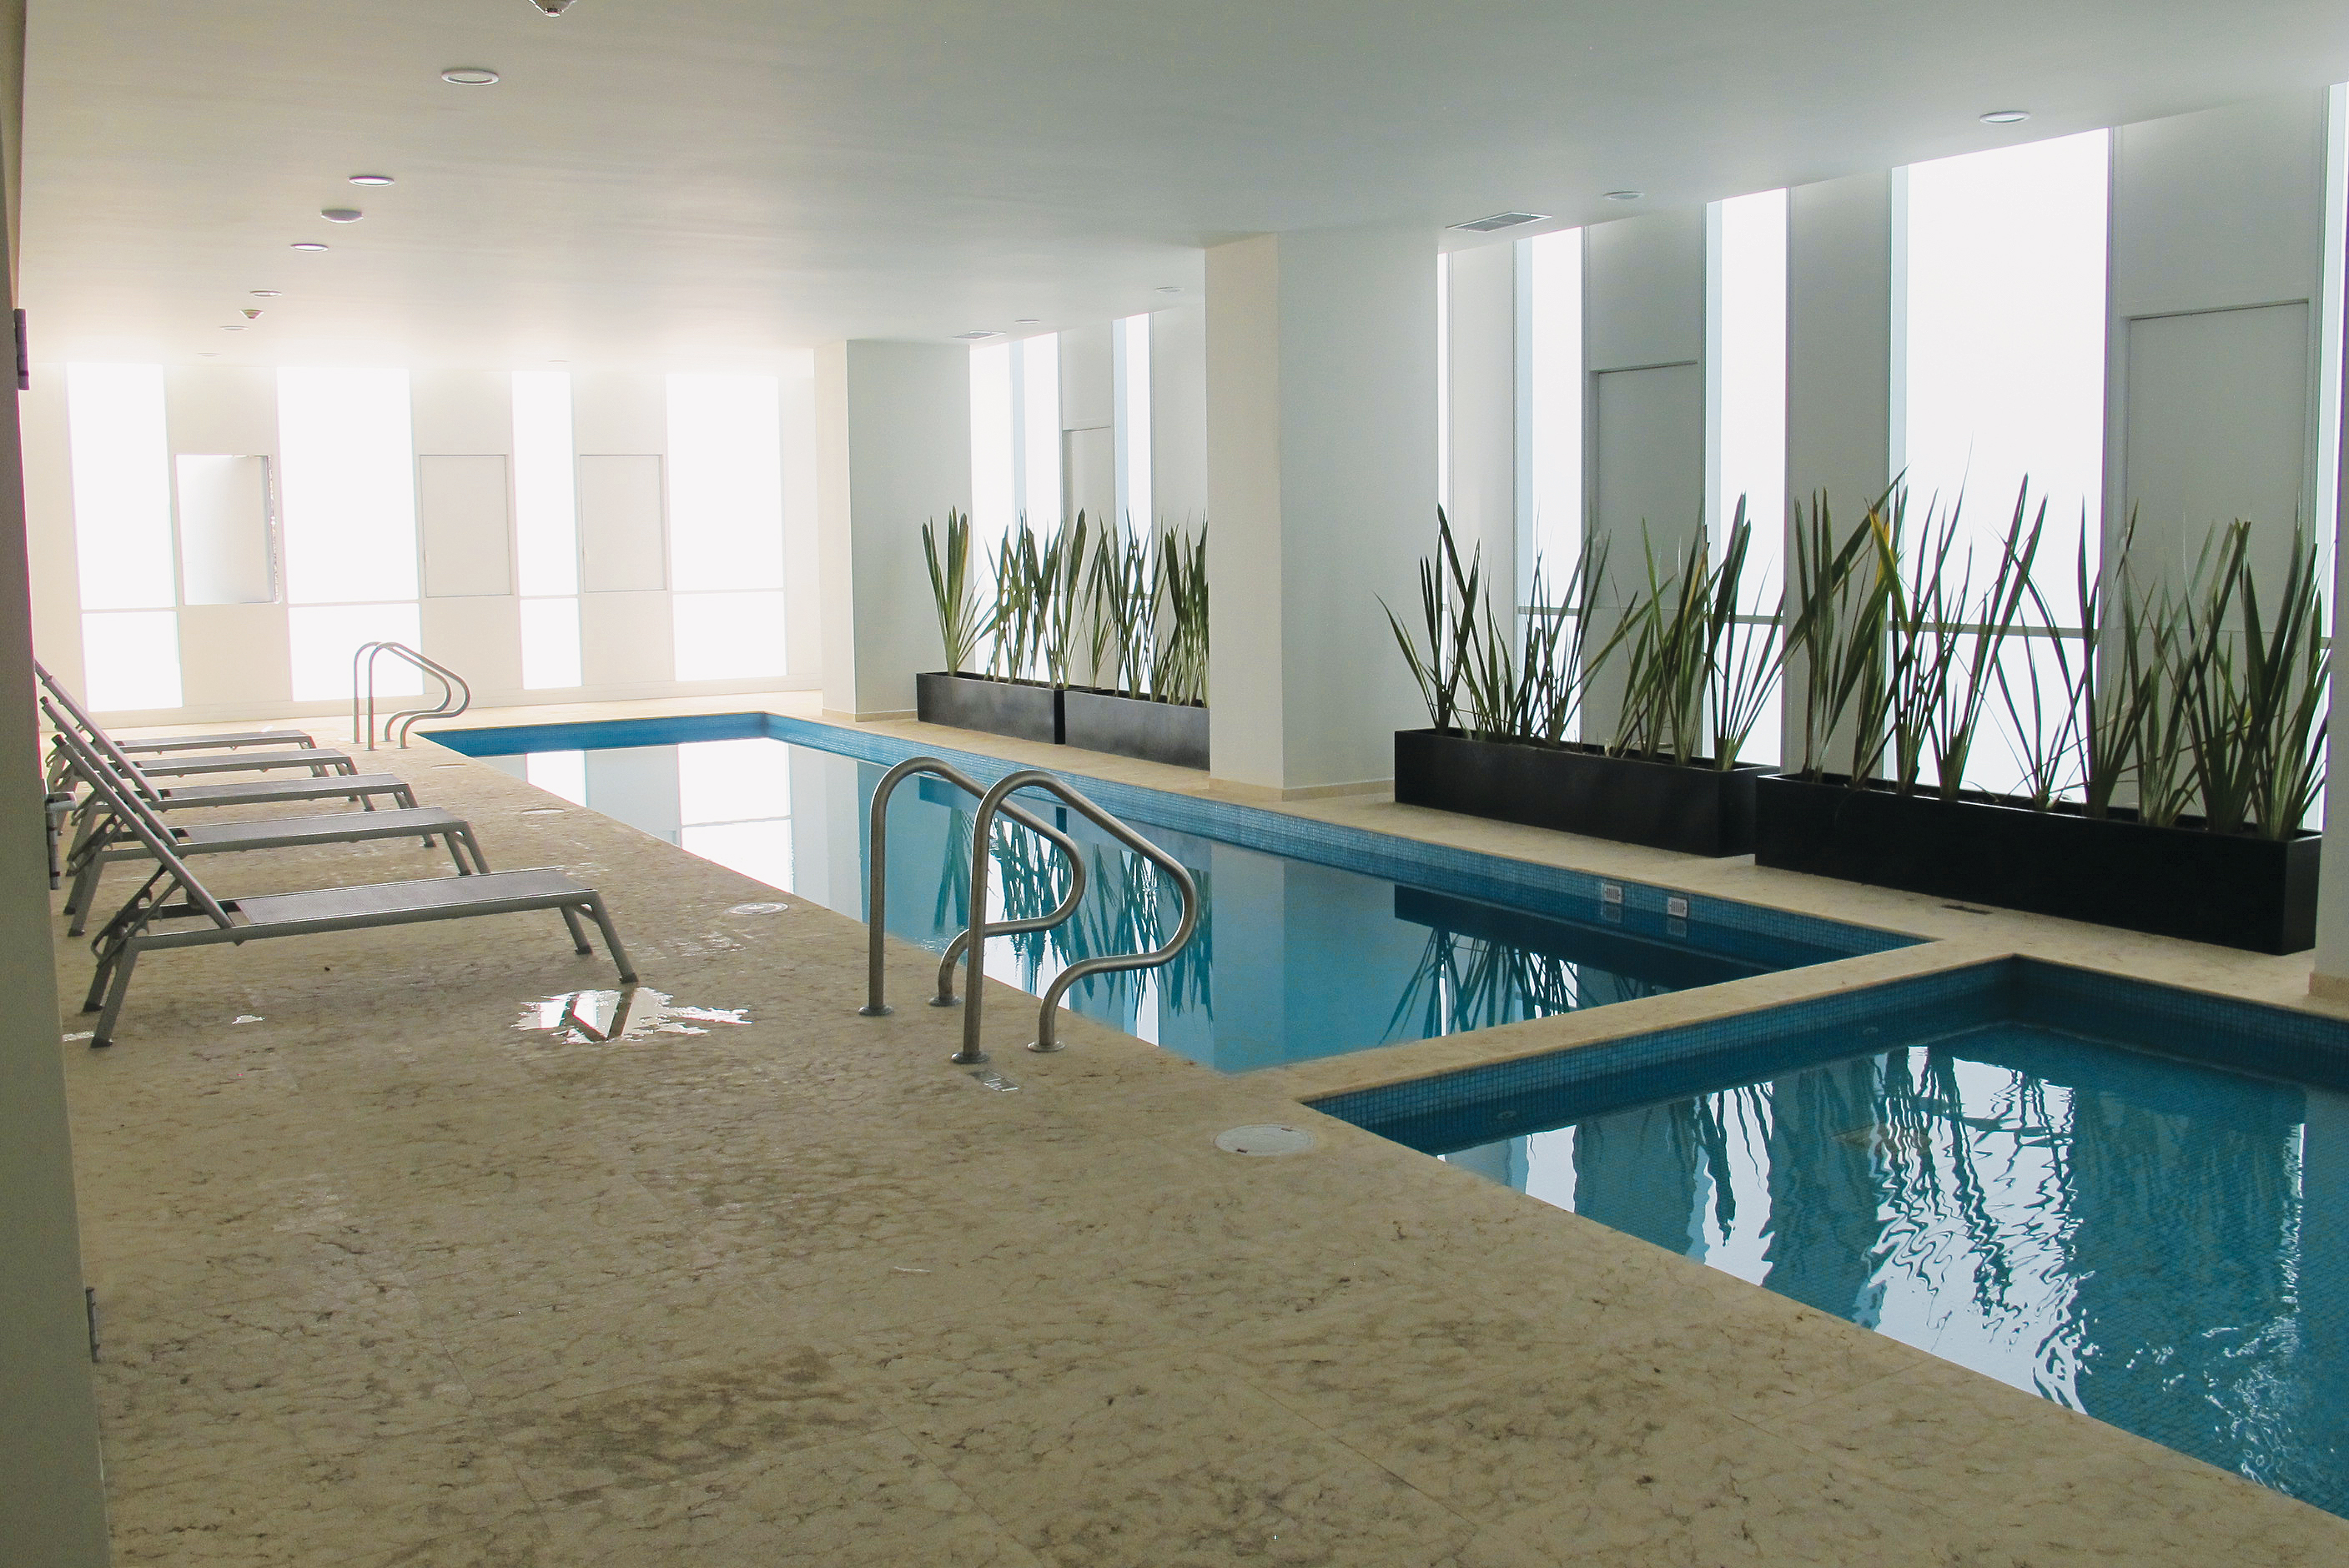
x,y
553,7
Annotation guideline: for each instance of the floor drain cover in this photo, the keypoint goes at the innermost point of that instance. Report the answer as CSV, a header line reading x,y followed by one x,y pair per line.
x,y
758,909
1265,1140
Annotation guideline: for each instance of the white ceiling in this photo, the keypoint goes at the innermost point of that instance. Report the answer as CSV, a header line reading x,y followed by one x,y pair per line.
x,y
670,183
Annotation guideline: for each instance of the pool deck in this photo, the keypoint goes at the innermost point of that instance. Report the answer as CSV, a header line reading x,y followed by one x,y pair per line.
x,y
385,1281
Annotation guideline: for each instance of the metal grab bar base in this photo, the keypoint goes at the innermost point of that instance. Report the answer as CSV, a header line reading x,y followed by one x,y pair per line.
x,y
869,1011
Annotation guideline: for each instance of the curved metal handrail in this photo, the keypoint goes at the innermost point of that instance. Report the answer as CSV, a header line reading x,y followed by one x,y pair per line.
x,y
878,885
456,695
981,928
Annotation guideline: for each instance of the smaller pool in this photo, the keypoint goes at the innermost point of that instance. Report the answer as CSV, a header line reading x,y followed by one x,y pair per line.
x,y
2128,1199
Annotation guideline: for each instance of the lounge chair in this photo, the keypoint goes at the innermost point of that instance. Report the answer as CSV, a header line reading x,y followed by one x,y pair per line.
x,y
230,740
165,761
175,893
115,841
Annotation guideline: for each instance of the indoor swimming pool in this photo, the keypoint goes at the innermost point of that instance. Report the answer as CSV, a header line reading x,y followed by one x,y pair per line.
x,y
1991,1165
1314,939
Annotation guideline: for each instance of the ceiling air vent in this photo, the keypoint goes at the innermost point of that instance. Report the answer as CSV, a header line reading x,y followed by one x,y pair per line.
x,y
1502,220
975,337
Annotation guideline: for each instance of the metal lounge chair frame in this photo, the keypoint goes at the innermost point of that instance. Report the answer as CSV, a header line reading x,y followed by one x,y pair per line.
x,y
168,762
174,892
115,842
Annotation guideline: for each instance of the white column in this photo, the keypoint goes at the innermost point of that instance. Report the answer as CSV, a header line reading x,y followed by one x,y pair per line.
x,y
52,1482
1840,387
892,439
1484,375
1321,484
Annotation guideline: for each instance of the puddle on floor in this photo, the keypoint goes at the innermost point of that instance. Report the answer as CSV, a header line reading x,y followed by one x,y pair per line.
x,y
594,1017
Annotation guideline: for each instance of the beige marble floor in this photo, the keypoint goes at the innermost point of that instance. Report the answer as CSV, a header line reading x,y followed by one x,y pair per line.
x,y
385,1280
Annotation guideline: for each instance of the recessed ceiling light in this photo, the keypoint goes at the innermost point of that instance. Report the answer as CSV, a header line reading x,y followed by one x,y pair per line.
x,y
1625,195
1501,221
266,294
237,327
370,179
1170,288
2006,117
1026,320
341,214
308,245
975,337
470,75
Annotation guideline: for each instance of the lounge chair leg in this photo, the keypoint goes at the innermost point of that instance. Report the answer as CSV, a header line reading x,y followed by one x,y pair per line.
x,y
456,855
480,861
104,1034
578,934
603,919
85,895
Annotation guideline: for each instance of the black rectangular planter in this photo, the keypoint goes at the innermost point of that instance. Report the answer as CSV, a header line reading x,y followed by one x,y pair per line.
x,y
1170,732
1018,708
1697,811
2229,889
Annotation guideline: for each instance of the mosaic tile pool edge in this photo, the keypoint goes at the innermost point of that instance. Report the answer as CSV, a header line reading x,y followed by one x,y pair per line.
x,y
1544,889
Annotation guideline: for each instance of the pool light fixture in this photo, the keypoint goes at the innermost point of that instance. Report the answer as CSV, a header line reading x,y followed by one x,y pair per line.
x,y
341,214
371,180
2006,117
308,245
469,77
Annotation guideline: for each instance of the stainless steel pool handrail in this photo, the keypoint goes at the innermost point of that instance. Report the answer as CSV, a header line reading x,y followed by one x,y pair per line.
x,y
456,695
877,886
981,928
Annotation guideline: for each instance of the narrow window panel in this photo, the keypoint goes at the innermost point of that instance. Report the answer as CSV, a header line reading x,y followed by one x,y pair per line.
x,y
1133,449
729,637
121,486
992,501
348,471
1553,391
324,638
726,482
546,512
1040,434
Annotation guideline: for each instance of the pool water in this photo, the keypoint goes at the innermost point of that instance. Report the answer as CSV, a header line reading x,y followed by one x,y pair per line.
x,y
2162,1244
1294,957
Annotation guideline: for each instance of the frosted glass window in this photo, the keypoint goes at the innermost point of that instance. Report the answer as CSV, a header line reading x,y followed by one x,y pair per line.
x,y
560,773
1552,268
725,482
1444,381
121,486
545,477
760,850
347,471
732,781
1131,345
729,637
1038,378
130,659
993,498
1749,380
550,644
323,639
2004,351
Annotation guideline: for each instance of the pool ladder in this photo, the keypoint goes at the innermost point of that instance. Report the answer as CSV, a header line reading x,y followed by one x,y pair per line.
x,y
970,945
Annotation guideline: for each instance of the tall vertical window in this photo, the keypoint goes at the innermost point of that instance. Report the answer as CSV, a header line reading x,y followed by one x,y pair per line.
x,y
120,461
994,495
726,526
348,468
1035,373
1129,347
2002,343
1746,387
1549,270
546,528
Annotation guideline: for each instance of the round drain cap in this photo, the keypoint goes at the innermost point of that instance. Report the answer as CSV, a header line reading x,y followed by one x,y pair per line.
x,y
1264,1139
758,909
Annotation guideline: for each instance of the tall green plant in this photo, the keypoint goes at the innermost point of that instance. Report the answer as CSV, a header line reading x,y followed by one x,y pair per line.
x,y
1698,680
962,624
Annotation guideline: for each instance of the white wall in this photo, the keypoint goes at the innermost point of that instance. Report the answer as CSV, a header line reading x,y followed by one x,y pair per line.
x,y
1484,388
1178,414
893,434
233,658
